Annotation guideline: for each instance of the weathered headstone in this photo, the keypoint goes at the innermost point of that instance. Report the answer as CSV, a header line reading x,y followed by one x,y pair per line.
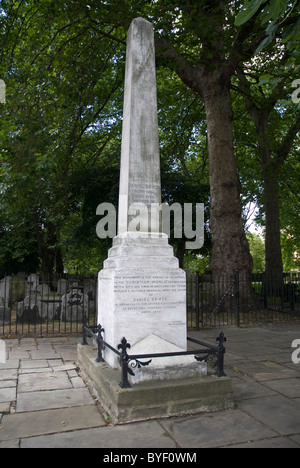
x,y
32,283
142,290
51,308
5,288
74,305
18,288
62,286
30,309
5,312
90,290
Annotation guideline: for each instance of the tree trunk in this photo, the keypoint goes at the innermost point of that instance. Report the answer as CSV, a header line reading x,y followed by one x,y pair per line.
x,y
47,241
273,254
47,268
230,250
59,262
273,282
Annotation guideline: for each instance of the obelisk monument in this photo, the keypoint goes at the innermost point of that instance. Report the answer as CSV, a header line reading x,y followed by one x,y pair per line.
x,y
140,160
142,290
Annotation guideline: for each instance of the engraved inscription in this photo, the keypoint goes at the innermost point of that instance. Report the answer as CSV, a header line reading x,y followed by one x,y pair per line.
x,y
144,193
153,294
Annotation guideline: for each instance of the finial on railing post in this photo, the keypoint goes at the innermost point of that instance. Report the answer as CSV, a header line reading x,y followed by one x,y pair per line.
x,y
124,359
221,351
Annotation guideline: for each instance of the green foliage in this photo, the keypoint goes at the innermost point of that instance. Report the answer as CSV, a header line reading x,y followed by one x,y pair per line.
x,y
257,249
248,11
60,129
274,15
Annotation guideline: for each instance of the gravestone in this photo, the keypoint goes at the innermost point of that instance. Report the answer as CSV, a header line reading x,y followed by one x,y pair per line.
x,y
51,308
90,290
32,283
5,312
30,309
5,289
18,288
74,305
62,286
142,290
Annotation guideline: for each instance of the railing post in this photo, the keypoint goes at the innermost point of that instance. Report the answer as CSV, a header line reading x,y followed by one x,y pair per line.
x,y
124,363
221,351
291,295
197,301
237,298
84,335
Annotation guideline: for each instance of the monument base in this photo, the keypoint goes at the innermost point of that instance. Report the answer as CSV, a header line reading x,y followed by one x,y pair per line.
x,y
164,368
142,291
155,398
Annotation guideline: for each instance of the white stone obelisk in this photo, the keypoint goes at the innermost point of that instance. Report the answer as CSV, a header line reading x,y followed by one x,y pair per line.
x,y
142,290
140,160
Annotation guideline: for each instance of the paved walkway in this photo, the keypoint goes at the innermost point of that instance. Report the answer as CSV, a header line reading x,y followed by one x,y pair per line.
x,y
44,402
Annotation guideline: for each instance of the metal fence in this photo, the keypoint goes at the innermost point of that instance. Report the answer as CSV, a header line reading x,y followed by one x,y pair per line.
x,y
239,301
29,306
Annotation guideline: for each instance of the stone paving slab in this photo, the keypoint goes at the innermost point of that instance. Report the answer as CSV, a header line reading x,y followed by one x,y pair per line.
x,y
216,430
34,364
35,401
4,407
8,374
246,389
44,354
7,394
292,390
149,434
23,425
9,364
276,411
43,381
8,383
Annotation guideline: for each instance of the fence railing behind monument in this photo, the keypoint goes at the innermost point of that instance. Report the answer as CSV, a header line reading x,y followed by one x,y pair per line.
x,y
30,306
240,301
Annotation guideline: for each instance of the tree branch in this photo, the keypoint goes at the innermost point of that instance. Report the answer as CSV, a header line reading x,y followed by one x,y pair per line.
x,y
239,51
168,56
283,151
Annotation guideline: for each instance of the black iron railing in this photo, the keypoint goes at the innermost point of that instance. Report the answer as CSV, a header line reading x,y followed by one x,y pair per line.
x,y
128,362
238,299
